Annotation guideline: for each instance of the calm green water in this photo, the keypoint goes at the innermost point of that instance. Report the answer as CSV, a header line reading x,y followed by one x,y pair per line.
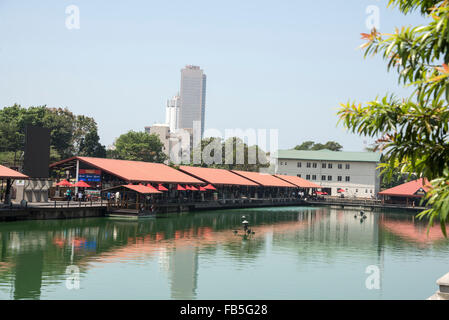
x,y
296,253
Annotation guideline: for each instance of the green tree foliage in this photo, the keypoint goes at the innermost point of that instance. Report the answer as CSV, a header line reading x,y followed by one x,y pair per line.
x,y
413,131
138,146
311,145
67,131
234,154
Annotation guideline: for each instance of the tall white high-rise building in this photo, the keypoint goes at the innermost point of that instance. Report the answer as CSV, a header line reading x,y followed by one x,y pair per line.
x,y
193,97
172,113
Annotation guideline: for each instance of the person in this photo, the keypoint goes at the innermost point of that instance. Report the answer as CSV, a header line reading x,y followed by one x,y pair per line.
x,y
117,196
80,196
108,196
68,194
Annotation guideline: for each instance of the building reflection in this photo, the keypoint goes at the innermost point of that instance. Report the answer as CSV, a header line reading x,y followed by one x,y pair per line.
x,y
182,268
36,254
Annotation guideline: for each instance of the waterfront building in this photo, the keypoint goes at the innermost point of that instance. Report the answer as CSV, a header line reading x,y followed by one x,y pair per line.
x,y
112,172
193,98
7,176
409,193
351,174
172,113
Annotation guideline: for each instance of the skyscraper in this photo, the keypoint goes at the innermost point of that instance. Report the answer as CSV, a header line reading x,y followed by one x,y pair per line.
x,y
172,113
193,97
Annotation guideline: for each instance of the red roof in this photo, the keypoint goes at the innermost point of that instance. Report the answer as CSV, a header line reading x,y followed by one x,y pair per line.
x,y
297,181
266,180
135,171
6,172
408,189
217,176
141,189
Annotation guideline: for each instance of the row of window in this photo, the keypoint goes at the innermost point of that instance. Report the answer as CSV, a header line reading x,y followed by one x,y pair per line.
x,y
315,165
313,177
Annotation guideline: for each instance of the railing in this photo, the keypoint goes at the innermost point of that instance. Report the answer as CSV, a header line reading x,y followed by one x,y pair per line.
x,y
347,201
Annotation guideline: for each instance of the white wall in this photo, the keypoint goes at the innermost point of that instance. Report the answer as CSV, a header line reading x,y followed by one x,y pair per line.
x,y
364,177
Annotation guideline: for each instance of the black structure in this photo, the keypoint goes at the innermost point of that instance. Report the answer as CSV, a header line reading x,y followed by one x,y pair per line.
x,y
37,152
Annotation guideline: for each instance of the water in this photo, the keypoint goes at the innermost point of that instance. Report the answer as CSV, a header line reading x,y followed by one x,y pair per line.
x,y
296,253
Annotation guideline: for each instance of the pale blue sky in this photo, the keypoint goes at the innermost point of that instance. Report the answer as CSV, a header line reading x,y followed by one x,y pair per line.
x,y
270,64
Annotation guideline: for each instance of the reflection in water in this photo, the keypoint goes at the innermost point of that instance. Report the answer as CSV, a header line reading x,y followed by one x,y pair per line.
x,y
34,255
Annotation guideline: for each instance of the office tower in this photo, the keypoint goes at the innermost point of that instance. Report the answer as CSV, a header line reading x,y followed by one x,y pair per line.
x,y
172,113
193,97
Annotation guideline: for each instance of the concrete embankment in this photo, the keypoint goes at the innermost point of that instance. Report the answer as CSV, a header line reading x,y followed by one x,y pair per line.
x,y
51,213
74,210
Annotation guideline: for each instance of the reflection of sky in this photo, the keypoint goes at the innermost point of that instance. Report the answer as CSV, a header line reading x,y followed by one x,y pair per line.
x,y
294,254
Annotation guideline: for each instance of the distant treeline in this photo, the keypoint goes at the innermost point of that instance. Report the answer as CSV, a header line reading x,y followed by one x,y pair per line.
x,y
70,134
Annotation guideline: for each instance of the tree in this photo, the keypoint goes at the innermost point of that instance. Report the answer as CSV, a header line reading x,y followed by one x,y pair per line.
x,y
67,131
413,131
240,155
90,146
311,145
139,146
305,146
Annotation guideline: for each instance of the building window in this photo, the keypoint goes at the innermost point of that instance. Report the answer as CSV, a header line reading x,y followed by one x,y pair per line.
x,y
285,163
299,176
308,177
329,166
366,190
340,178
347,179
329,178
356,190
299,164
340,166
348,166
281,163
323,166
315,164
323,178
308,164
371,191
314,177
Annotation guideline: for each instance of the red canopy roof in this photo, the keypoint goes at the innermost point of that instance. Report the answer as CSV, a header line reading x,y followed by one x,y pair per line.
x,y
266,180
141,189
151,187
7,173
81,184
409,189
64,183
180,188
210,187
203,189
136,171
297,181
193,188
217,176
160,187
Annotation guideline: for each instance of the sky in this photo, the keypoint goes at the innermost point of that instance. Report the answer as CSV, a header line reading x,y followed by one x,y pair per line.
x,y
282,65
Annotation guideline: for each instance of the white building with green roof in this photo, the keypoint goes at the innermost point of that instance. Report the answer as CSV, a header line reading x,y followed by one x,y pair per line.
x,y
354,174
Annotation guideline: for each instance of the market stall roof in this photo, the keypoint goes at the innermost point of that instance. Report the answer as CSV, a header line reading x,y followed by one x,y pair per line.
x,y
7,173
266,180
217,176
133,171
297,181
137,188
415,188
